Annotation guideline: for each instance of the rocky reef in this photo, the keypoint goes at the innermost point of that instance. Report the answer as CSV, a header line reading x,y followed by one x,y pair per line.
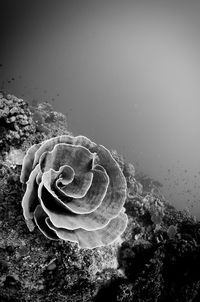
x,y
157,257
15,120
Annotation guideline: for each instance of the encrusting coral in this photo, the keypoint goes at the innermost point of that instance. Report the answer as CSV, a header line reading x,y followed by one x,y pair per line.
x,y
15,120
75,191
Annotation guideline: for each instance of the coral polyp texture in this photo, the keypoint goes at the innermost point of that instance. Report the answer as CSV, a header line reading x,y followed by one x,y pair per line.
x,y
75,191
16,123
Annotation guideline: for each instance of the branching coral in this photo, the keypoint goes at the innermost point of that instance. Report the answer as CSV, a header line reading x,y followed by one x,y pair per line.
x,y
75,191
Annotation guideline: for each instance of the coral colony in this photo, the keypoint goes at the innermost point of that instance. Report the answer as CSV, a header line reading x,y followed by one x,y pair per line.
x,y
15,119
75,191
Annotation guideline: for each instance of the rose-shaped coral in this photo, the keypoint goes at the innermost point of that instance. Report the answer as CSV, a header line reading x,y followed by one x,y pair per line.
x,y
75,191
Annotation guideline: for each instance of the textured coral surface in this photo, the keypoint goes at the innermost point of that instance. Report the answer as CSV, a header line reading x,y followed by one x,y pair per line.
x,y
157,258
15,120
75,191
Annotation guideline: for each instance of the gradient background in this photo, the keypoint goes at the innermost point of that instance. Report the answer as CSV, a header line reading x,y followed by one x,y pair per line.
x,y
126,73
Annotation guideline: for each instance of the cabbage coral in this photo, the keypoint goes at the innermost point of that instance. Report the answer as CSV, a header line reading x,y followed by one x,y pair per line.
x,y
75,191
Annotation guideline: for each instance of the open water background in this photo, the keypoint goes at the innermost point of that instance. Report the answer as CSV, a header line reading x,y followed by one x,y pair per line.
x,y
126,73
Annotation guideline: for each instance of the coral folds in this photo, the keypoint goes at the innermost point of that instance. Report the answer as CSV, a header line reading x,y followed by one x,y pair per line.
x,y
75,191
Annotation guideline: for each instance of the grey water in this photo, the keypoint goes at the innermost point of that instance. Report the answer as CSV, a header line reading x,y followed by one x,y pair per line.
x,y
126,74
